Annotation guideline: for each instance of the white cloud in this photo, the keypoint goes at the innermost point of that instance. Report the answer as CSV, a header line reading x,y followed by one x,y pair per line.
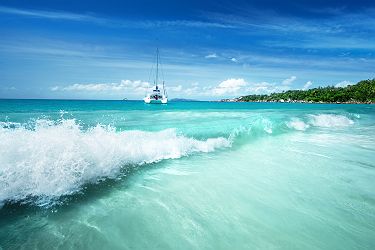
x,y
195,24
307,85
343,84
195,90
128,85
289,80
49,14
61,15
265,88
175,88
211,56
234,87
233,59
230,86
131,87
55,88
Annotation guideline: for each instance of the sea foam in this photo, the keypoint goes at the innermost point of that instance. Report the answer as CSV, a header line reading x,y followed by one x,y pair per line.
x,y
297,124
320,120
57,158
330,120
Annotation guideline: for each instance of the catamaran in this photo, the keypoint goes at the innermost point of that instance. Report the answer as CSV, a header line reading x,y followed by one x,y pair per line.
x,y
157,96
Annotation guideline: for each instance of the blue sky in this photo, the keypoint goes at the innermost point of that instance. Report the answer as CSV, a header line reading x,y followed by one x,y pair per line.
x,y
209,49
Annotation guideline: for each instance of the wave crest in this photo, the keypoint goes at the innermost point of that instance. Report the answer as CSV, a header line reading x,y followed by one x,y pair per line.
x,y
320,120
297,124
330,120
56,159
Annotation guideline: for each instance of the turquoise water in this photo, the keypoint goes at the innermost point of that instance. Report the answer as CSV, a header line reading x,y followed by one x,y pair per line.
x,y
187,175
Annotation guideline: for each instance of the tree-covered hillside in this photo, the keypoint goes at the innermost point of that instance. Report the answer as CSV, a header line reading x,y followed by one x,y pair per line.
x,y
362,92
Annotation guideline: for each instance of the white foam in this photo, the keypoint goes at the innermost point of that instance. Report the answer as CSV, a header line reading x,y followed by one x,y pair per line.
x,y
297,124
10,124
330,120
267,125
56,159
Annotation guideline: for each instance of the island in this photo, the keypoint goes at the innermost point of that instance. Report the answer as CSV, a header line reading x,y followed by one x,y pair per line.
x,y
362,92
184,100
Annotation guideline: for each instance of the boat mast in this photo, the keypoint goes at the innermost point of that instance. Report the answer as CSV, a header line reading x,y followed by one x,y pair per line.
x,y
157,66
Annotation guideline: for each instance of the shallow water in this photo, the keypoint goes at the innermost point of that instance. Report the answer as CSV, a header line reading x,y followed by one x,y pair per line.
x,y
187,175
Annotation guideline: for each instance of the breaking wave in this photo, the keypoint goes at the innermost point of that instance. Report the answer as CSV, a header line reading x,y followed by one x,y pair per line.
x,y
297,124
320,120
50,159
330,120
54,159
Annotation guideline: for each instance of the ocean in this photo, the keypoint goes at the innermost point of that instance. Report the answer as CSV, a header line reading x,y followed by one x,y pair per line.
x,y
186,175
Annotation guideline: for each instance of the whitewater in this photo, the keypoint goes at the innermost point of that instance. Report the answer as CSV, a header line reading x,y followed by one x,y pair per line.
x,y
187,175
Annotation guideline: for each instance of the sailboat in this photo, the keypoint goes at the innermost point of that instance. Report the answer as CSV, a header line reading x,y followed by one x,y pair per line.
x,y
157,96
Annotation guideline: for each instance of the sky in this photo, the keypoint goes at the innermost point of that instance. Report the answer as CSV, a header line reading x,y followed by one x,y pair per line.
x,y
209,50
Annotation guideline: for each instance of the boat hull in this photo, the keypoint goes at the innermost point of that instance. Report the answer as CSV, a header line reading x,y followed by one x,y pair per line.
x,y
154,101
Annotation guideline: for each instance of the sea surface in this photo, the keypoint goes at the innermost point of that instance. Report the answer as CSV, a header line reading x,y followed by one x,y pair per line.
x,y
187,175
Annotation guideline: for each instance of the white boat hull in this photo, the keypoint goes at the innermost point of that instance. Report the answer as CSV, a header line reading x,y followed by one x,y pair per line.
x,y
149,100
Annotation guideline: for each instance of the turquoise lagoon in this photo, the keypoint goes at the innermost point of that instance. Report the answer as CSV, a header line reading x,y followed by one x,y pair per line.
x,y
187,175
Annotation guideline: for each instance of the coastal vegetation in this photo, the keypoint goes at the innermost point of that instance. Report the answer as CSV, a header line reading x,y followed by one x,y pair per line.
x,y
362,92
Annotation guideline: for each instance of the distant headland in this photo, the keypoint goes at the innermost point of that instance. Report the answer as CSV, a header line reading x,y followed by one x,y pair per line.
x,y
362,92
184,100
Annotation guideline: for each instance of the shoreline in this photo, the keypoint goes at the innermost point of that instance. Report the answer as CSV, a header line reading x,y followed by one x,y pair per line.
x,y
293,101
362,92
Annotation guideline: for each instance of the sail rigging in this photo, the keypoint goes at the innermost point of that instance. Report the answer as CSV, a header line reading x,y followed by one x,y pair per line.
x,y
156,96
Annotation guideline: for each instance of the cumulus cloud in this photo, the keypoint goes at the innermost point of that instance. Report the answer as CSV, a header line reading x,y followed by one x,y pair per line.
x,y
233,59
175,88
194,91
211,56
343,84
128,85
289,80
230,86
265,88
307,85
235,87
